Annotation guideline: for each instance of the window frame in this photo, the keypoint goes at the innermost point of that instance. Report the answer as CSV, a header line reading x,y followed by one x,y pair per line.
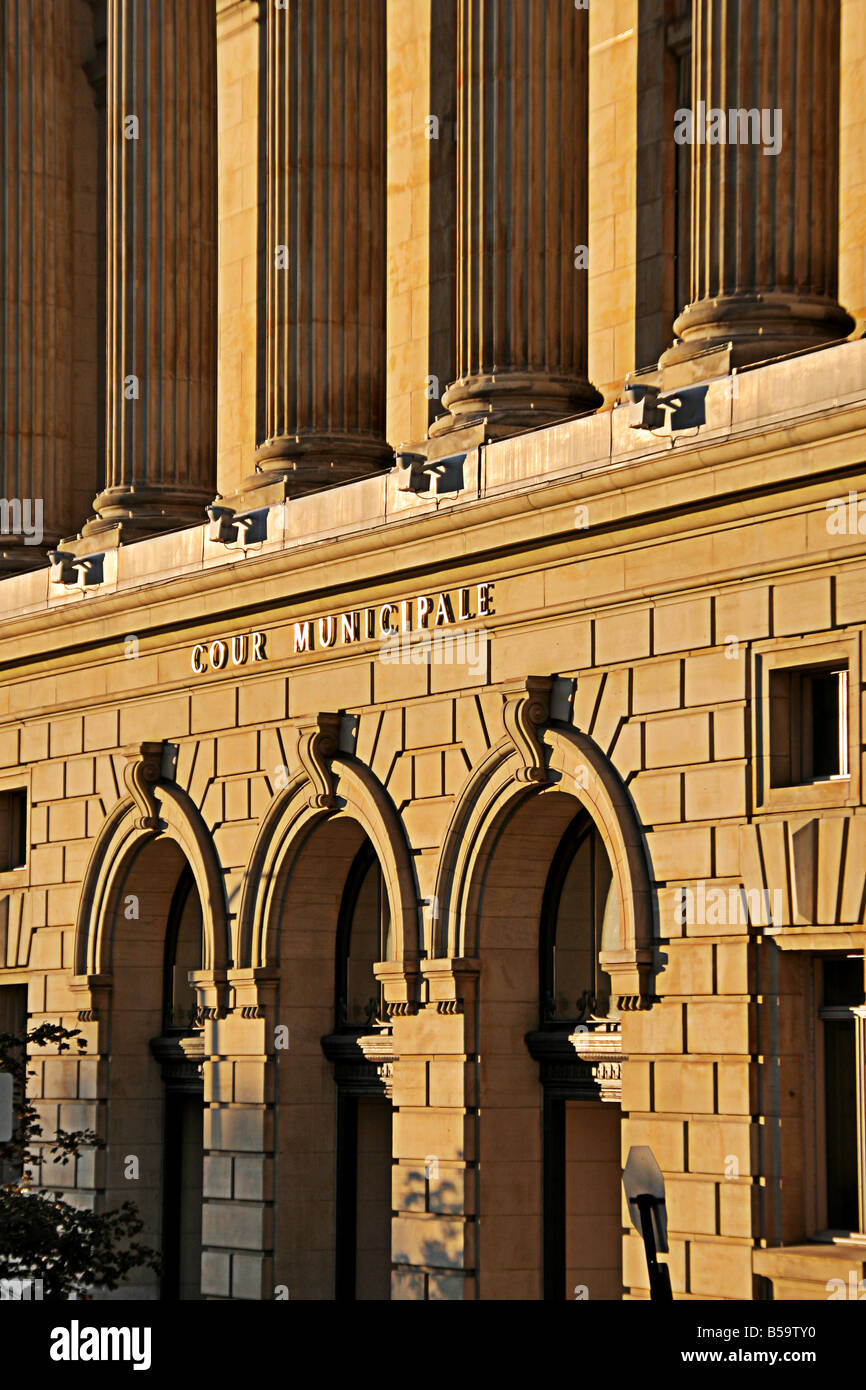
x,y
19,877
793,654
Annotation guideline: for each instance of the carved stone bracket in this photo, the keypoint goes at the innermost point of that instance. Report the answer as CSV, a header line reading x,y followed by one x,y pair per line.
x,y
363,1060
524,714
316,747
141,774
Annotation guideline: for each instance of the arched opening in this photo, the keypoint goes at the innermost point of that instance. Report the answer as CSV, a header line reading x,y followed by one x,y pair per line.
x,y
364,936
548,1138
579,919
333,923
178,1049
155,1108
578,1030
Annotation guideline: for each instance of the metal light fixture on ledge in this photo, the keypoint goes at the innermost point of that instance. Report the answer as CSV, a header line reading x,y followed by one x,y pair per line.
x,y
232,528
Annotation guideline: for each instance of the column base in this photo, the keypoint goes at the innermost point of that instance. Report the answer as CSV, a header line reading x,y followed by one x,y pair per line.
x,y
757,327
146,510
511,402
307,463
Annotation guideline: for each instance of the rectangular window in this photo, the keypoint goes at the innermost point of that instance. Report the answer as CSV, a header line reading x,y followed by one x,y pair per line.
x,y
808,725
13,829
841,991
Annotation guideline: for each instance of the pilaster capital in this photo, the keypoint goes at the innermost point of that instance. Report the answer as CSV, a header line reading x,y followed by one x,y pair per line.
x,y
450,983
94,996
251,992
400,982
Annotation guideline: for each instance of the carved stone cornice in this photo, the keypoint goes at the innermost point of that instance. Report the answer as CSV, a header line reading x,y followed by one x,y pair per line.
x,y
140,775
316,746
363,1060
526,711
181,1058
581,1063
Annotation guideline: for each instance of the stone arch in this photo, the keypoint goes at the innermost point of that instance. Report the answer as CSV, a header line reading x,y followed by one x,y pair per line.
x,y
575,765
123,832
289,821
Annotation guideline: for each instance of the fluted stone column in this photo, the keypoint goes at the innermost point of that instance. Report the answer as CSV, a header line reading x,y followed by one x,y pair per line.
x,y
35,279
764,235
522,216
161,355
325,351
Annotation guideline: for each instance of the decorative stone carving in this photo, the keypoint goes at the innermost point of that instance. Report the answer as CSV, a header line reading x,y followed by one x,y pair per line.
x,y
524,714
142,772
401,1008
363,1061
585,1064
316,747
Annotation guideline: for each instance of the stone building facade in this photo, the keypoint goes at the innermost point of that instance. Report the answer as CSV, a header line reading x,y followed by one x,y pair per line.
x,y
430,720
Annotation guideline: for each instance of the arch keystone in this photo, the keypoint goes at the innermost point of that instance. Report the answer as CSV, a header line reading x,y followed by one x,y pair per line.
x,y
317,745
140,775
526,711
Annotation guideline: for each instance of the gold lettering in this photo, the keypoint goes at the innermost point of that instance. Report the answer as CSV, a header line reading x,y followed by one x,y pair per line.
x,y
218,654
444,611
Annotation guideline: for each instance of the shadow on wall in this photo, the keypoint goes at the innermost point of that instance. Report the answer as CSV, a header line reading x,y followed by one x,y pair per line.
x,y
446,1194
